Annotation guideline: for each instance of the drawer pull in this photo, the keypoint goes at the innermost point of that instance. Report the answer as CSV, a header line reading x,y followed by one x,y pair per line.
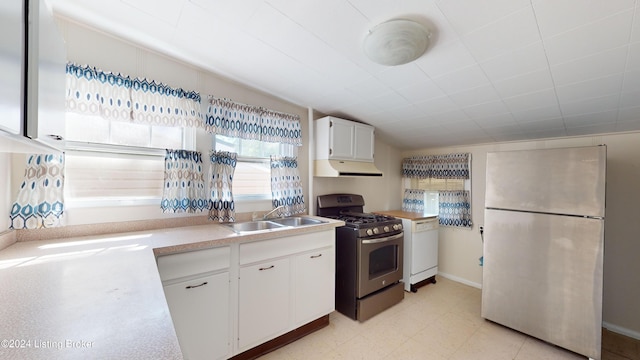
x,y
195,286
267,268
315,256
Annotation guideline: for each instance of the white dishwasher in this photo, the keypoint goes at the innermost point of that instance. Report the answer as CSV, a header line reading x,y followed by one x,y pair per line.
x,y
420,252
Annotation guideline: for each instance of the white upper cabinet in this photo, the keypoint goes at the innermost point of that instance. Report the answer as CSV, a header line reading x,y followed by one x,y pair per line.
x,y
46,77
339,139
11,66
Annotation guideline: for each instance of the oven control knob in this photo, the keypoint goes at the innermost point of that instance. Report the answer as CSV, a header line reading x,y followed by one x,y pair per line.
x,y
397,227
369,232
375,230
386,229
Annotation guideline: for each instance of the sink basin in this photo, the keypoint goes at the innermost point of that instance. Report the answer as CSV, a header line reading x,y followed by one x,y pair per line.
x,y
297,221
254,226
280,223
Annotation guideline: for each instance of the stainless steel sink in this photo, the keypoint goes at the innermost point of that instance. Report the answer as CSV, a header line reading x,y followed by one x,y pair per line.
x,y
250,226
297,221
273,224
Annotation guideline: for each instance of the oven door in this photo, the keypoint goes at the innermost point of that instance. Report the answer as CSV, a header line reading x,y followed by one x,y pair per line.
x,y
380,263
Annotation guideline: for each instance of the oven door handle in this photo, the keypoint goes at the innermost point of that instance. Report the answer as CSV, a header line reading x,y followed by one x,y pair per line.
x,y
384,239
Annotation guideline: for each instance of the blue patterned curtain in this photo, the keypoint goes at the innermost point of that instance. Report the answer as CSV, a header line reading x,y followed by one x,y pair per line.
x,y
184,186
40,202
228,118
286,185
449,166
222,206
454,208
413,200
96,92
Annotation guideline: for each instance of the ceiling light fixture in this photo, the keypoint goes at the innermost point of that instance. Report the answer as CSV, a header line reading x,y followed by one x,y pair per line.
x,y
396,42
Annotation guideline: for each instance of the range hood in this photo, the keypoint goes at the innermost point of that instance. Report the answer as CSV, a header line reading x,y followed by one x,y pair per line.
x,y
346,168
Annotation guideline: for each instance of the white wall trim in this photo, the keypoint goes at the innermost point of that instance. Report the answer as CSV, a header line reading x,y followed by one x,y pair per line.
x,y
460,280
621,330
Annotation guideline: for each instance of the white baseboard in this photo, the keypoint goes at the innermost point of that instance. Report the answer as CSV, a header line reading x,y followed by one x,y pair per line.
x,y
621,330
460,280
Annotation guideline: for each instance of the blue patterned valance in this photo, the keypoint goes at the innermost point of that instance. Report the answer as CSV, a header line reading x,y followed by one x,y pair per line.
x,y
228,118
449,166
114,96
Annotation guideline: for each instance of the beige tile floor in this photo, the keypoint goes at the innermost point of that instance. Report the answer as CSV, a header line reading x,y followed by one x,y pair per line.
x,y
440,321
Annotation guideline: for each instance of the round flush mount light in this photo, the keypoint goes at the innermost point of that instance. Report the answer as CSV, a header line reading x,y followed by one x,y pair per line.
x,y
396,42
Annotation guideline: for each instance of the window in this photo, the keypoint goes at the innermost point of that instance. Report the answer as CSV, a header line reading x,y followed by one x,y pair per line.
x,y
117,163
439,184
252,177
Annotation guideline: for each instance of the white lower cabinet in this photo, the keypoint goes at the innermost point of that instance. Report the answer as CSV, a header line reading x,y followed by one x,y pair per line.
x,y
250,292
197,289
200,312
264,302
314,284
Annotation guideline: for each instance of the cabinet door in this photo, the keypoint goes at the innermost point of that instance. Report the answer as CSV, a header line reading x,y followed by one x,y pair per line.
x,y
364,142
200,312
264,302
11,66
341,134
314,285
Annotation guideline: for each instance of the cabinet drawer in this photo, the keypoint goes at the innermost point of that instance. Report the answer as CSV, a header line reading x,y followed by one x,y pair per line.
x,y
273,248
192,263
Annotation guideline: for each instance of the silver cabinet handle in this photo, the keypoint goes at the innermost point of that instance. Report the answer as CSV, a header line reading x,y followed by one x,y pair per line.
x,y
267,268
315,256
195,286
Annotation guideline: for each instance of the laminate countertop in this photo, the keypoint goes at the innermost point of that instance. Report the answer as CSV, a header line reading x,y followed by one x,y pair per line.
x,y
100,297
406,214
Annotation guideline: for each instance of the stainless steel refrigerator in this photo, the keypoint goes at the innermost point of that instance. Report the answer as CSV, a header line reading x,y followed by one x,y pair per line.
x,y
544,244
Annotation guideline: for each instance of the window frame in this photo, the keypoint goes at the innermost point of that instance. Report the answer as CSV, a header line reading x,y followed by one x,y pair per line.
x,y
284,150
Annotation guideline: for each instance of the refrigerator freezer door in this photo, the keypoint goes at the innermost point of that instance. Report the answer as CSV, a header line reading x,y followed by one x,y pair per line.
x,y
559,181
543,276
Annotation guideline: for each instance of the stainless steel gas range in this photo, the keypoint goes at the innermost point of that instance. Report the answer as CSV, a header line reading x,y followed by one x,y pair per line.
x,y
368,256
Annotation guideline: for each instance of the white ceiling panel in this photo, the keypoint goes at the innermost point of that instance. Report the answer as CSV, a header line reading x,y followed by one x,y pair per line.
x,y
589,89
555,16
503,36
591,67
495,70
605,34
524,83
519,61
467,16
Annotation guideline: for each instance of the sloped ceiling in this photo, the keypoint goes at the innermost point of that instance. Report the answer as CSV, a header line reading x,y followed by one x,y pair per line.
x,y
496,70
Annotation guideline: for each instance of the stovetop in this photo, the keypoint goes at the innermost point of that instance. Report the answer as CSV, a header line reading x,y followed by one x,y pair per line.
x,y
349,208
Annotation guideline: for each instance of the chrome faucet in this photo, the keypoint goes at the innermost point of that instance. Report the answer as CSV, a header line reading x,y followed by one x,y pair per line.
x,y
267,215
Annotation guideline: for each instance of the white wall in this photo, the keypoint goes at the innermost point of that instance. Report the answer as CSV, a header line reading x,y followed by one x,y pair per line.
x,y
460,249
380,193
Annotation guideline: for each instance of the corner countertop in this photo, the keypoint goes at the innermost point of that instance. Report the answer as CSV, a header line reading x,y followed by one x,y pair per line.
x,y
406,214
100,297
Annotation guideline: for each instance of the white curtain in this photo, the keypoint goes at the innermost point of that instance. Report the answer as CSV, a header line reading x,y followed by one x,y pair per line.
x,y
286,185
222,168
184,185
40,201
